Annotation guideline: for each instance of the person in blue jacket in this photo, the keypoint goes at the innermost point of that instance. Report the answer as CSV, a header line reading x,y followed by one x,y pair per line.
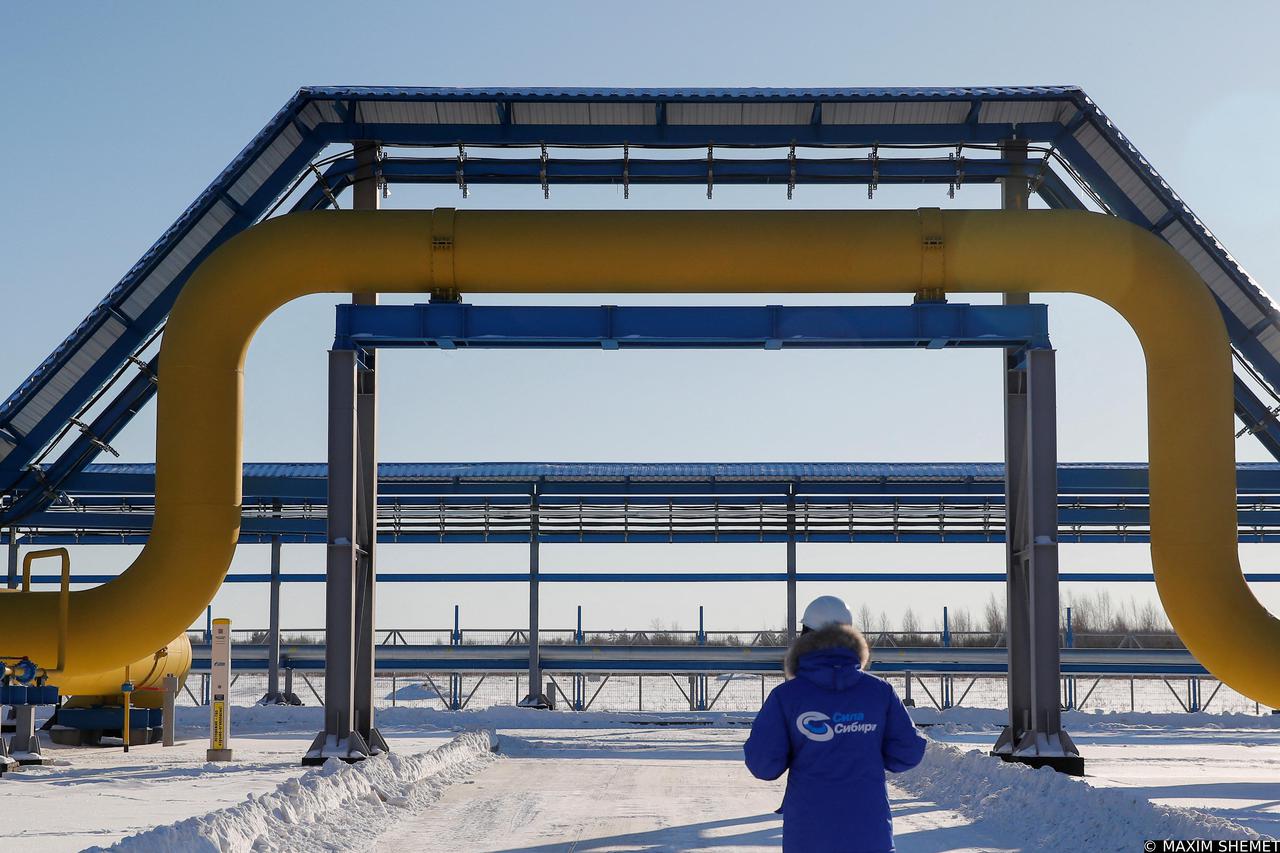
x,y
837,729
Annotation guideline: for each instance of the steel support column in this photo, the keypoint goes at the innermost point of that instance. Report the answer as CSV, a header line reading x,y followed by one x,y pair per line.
x,y
791,562
1015,194
366,544
534,699
24,746
13,558
274,696
348,733
364,196
1034,735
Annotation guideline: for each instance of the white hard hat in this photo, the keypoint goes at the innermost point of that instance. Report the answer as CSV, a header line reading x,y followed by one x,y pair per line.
x,y
826,610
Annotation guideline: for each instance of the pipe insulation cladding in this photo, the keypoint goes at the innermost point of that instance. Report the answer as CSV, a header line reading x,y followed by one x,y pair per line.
x,y
199,419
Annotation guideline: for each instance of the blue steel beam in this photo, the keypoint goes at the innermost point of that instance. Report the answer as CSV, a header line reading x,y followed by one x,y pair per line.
x,y
1258,419
696,135
640,171
922,325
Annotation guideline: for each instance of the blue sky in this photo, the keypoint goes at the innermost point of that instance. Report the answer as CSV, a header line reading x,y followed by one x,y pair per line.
x,y
119,114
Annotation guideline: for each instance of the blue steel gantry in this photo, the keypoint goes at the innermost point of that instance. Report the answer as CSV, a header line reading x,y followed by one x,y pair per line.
x,y
1051,141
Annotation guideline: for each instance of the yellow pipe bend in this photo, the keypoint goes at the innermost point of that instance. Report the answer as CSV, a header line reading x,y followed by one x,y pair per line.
x,y
198,441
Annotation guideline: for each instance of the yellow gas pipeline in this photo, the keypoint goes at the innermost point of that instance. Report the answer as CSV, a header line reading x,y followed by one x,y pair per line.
x,y
198,442
147,674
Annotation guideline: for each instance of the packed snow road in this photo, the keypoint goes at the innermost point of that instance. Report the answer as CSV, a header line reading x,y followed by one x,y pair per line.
x,y
649,789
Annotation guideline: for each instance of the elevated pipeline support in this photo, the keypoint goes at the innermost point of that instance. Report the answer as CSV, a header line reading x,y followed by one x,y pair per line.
x,y
1189,375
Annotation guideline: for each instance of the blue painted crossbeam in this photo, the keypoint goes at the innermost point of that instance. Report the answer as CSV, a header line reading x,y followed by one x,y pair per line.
x,y
780,170
928,325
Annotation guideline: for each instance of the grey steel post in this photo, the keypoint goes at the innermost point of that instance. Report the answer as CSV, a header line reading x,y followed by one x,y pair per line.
x,y
24,746
168,712
272,696
1017,590
364,196
791,562
366,545
534,699
364,191
337,737
13,558
1015,195
1034,735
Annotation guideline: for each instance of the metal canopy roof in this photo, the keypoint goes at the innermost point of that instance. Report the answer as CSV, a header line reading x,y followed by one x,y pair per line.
x,y
1110,477
619,471
1062,118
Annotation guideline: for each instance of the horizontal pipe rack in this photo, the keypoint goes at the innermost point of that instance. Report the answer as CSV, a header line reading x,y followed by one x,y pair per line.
x,y
695,659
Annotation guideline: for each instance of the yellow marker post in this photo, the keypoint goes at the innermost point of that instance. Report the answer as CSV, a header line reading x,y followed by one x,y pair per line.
x,y
220,692
126,690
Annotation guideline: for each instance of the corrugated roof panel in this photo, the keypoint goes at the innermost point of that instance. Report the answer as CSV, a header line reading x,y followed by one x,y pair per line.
x,y
1112,162
895,112
396,112
623,114
464,112
550,112
69,374
783,113
1226,289
774,114
257,172
205,229
1269,337
319,112
1026,112
710,113
875,112
947,112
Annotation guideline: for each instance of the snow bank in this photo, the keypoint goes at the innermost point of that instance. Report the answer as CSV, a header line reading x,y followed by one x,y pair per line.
x,y
413,692
1081,721
509,717
314,811
254,719
1047,810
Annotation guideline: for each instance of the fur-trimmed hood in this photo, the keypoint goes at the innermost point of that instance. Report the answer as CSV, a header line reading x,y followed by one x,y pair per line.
x,y
842,637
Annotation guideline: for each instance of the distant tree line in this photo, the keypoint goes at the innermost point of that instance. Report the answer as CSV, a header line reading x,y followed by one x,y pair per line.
x,y
1097,621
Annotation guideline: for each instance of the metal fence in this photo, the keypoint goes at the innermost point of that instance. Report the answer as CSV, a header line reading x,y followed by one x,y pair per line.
x,y
663,637
739,692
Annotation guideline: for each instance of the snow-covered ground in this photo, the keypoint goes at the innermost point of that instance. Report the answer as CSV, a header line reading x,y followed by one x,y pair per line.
x,y
628,781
